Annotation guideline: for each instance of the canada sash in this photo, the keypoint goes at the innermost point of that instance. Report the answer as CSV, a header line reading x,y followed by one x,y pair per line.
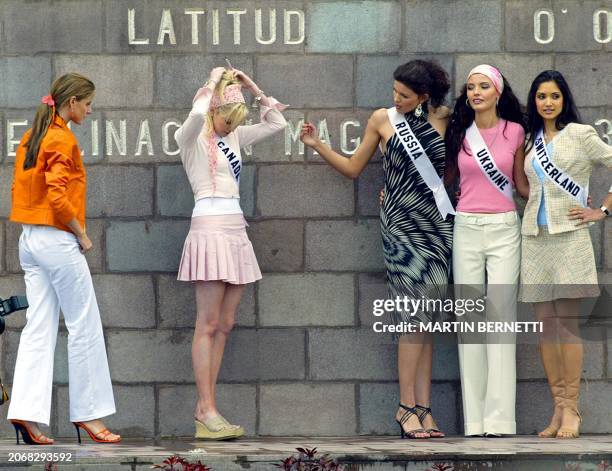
x,y
232,159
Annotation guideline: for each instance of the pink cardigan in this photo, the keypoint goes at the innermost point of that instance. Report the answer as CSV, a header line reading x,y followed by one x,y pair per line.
x,y
194,149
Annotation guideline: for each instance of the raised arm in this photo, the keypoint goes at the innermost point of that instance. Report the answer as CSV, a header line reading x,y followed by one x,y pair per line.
x,y
353,166
187,134
271,118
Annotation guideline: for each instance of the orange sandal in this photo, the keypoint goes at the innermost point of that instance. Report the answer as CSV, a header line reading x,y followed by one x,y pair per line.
x,y
28,437
99,437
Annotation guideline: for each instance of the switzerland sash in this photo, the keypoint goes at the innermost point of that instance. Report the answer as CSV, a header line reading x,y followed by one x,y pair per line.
x,y
555,174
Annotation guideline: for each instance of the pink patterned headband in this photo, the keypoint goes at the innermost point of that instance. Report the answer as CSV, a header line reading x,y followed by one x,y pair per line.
x,y
492,73
231,94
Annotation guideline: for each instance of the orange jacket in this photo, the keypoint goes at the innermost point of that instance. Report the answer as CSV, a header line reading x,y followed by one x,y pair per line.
x,y
52,192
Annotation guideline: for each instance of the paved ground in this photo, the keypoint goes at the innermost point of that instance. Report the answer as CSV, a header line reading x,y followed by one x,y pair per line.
x,y
367,453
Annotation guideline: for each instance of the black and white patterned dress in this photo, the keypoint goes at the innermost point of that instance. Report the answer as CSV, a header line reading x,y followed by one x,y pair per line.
x,y
417,242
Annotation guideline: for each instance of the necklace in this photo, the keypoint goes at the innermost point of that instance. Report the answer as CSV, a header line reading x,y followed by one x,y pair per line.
x,y
490,144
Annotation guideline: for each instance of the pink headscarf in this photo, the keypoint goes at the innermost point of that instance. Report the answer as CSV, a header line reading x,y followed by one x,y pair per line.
x,y
232,94
490,72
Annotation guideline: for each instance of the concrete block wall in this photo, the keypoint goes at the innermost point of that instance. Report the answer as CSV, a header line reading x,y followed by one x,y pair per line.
x,y
302,359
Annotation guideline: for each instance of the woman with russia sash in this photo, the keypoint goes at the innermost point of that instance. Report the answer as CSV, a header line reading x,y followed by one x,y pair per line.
x,y
485,140
218,256
558,264
415,223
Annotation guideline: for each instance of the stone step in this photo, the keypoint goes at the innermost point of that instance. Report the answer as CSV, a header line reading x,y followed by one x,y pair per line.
x,y
518,453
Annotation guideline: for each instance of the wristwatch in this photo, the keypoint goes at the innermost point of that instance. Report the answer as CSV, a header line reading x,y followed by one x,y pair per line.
x,y
258,95
605,210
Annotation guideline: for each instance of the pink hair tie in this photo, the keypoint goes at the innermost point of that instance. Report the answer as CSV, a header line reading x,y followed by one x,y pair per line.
x,y
48,100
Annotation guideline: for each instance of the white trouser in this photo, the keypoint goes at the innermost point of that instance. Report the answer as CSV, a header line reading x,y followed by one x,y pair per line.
x,y
57,276
487,249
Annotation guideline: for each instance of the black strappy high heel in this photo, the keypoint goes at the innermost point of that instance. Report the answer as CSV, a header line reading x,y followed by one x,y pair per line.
x,y
424,412
409,412
28,436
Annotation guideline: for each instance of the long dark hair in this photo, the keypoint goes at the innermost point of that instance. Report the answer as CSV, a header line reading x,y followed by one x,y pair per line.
x,y
508,108
569,112
62,89
424,77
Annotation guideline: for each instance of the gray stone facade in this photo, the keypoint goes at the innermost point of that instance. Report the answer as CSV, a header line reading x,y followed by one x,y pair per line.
x,y
302,359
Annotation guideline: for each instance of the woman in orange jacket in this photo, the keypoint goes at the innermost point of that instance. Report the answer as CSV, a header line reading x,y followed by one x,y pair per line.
x,y
48,193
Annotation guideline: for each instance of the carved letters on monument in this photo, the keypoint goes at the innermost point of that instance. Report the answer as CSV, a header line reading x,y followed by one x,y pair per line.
x,y
116,137
205,26
294,26
544,25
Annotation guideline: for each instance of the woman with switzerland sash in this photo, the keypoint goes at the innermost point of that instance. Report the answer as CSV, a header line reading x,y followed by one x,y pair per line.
x,y
415,222
558,264
485,141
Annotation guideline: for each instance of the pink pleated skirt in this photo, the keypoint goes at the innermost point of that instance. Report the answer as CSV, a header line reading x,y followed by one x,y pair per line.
x,y
218,248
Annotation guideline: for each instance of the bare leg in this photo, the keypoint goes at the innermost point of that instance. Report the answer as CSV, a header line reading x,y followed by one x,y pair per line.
x,y
231,300
409,352
423,384
572,352
423,373
550,353
35,430
98,428
209,299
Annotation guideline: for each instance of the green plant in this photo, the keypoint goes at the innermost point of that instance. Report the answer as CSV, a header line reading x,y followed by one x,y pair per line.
x,y
177,463
307,461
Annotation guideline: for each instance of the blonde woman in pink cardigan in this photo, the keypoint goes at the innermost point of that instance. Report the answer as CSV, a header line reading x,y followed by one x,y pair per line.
x,y
218,256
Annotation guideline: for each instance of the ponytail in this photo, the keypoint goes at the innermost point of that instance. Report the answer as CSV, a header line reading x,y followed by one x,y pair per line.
x,y
42,121
65,87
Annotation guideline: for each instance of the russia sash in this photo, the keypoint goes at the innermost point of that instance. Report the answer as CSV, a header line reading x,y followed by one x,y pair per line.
x,y
421,161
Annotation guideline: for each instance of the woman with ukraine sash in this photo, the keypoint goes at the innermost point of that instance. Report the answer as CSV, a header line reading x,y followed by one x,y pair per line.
x,y
558,264
485,146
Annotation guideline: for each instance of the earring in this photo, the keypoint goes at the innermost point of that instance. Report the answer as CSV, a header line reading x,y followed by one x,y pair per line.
x,y
418,111
467,101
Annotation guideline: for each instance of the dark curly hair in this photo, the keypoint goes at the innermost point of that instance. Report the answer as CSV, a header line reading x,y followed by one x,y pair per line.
x,y
424,77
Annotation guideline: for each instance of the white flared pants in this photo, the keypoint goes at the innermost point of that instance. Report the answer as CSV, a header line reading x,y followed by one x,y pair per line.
x,y
57,277
487,249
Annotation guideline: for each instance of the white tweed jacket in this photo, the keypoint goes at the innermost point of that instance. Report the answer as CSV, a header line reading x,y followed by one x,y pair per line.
x,y
575,150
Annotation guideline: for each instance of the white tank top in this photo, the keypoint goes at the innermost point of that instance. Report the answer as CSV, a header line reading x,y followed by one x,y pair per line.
x,y
215,206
